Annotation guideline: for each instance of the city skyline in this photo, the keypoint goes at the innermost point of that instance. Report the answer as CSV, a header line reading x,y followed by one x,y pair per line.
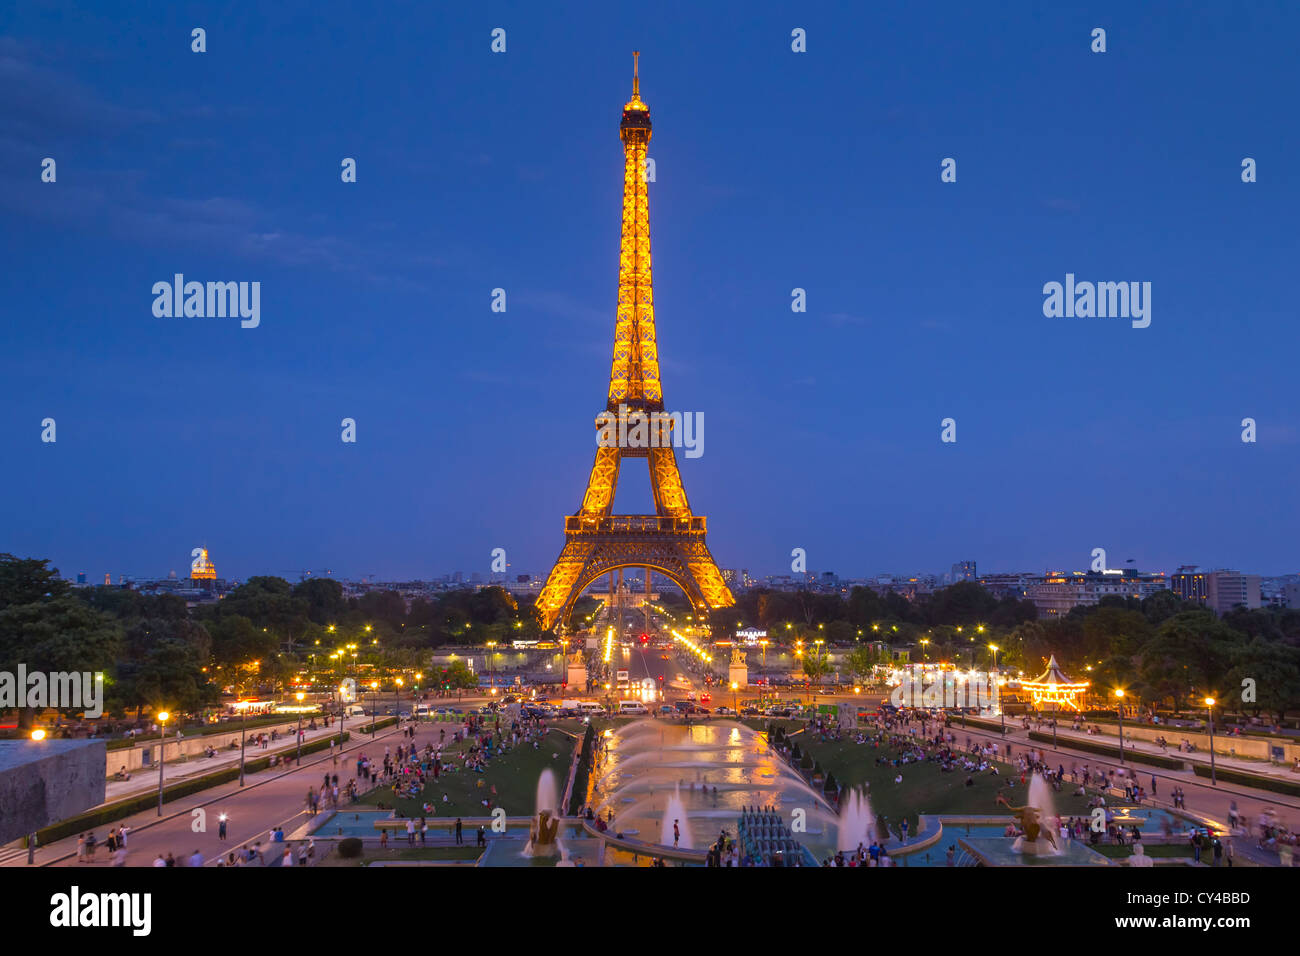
x,y
823,427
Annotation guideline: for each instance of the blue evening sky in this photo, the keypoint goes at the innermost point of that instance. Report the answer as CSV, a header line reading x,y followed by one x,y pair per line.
x,y
775,170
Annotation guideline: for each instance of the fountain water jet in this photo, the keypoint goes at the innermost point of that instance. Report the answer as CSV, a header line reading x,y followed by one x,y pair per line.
x,y
543,828
857,824
675,813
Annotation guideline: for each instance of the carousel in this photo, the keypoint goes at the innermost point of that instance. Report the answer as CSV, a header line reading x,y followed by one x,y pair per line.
x,y
1053,690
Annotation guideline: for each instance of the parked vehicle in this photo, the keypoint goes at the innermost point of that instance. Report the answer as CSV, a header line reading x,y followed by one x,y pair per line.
x,y
632,708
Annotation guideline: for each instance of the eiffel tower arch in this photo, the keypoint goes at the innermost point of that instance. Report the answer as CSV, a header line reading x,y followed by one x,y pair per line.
x,y
670,541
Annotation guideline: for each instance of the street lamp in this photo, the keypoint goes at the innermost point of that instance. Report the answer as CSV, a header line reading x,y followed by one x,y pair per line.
x,y
1119,708
735,705
374,705
162,743
38,735
1209,710
300,695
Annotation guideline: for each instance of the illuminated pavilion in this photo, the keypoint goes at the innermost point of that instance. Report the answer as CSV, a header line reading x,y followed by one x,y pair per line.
x,y
1052,690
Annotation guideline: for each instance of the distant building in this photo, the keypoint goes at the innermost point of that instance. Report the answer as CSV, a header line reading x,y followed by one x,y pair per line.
x,y
963,571
1189,584
1225,590
1013,584
1059,593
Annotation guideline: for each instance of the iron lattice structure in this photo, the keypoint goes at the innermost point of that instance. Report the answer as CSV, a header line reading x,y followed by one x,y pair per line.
x,y
670,541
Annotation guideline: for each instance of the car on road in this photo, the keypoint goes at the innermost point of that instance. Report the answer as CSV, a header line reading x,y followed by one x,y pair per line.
x,y
668,710
405,714
725,712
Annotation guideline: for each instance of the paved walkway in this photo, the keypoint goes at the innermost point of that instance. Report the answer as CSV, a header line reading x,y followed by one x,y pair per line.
x,y
271,797
145,780
1208,803
1110,737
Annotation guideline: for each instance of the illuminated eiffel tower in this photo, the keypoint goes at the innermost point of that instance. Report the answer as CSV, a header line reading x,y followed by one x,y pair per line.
x,y
670,541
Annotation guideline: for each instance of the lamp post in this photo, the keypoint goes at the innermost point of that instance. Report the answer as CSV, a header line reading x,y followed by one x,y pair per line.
x,y
301,696
374,705
38,735
1119,708
735,704
1209,711
162,743
243,739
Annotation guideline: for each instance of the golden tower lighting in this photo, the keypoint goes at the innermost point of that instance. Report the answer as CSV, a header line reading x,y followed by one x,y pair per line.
x,y
202,568
670,541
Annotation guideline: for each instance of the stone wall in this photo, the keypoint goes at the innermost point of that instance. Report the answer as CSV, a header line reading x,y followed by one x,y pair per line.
x,y
44,781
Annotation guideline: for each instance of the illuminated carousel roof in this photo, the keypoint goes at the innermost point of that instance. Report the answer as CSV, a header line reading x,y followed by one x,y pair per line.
x,y
1053,675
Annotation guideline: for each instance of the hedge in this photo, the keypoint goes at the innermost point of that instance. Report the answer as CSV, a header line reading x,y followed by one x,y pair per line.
x,y
1250,779
583,774
112,812
1105,750
378,725
210,730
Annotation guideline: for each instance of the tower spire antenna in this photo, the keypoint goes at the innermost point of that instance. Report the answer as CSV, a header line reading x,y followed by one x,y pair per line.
x,y
636,74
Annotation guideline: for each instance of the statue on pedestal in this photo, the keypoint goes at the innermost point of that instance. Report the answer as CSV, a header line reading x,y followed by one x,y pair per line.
x,y
1028,819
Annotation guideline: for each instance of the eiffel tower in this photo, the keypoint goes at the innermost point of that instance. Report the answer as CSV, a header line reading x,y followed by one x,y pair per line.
x,y
670,541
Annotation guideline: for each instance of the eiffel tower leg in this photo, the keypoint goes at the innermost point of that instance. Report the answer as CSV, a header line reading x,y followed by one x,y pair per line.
x,y
557,595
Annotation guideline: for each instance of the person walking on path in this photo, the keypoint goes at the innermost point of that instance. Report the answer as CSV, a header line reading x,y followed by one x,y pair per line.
x,y
460,838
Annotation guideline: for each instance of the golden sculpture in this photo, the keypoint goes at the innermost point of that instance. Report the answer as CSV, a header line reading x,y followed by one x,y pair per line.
x,y
1027,816
541,834
671,541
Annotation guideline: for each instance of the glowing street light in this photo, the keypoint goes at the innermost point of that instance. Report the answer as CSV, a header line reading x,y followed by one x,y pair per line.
x,y
1119,707
1209,711
162,742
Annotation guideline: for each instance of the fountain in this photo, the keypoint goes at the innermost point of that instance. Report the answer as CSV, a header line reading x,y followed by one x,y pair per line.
x,y
542,829
675,815
857,823
703,776
1037,819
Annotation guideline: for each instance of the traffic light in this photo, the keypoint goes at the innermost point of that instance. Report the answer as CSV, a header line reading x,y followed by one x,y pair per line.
x,y
645,638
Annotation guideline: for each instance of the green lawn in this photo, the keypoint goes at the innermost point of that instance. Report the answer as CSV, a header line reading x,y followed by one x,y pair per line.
x,y
925,788
514,775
